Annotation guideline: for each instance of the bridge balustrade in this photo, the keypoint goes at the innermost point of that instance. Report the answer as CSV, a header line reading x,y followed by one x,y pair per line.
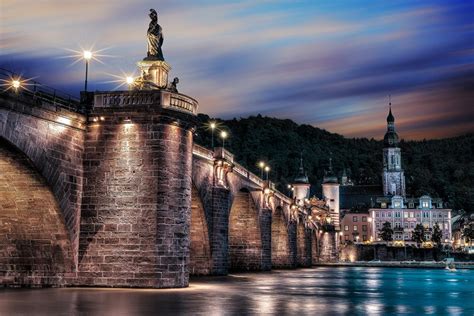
x,y
40,93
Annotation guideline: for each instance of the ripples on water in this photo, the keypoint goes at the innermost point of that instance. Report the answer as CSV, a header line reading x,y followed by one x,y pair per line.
x,y
318,291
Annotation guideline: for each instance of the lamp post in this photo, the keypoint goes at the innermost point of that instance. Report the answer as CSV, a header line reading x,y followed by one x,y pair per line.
x,y
130,81
213,127
267,170
261,165
87,54
223,136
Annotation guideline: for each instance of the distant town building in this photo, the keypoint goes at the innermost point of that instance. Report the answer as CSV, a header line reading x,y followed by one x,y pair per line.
x,y
331,194
356,227
389,203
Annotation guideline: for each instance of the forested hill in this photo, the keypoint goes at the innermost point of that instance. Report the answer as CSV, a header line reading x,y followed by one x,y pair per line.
x,y
441,168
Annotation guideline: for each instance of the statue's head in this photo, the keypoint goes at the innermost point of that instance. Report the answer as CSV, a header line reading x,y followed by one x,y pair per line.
x,y
176,80
153,15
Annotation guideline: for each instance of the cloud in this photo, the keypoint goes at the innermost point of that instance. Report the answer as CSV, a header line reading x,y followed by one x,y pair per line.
x,y
327,64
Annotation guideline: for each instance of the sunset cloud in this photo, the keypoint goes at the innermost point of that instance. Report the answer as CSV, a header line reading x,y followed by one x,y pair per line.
x,y
330,64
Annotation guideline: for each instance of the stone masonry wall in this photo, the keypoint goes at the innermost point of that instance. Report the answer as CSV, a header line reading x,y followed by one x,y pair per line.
x,y
328,248
136,208
221,200
35,249
200,249
266,237
52,138
245,245
280,241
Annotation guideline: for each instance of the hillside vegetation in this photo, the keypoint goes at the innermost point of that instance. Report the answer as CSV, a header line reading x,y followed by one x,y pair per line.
x,y
441,168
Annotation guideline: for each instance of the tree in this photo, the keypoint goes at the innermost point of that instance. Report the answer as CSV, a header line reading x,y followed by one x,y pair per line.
x,y
468,234
437,235
418,234
386,232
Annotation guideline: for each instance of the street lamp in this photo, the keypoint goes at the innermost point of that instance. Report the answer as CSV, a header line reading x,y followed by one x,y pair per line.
x,y
267,170
213,127
130,80
87,55
261,165
223,136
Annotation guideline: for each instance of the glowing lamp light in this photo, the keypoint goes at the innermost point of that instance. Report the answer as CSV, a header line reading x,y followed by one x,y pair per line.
x,y
310,217
261,164
289,186
129,80
267,168
87,54
213,125
267,191
224,134
16,83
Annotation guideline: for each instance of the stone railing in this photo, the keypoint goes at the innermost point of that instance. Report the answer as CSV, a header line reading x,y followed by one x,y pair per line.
x,y
161,98
219,152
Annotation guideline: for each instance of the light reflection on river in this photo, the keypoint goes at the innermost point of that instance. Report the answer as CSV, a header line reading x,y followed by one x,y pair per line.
x,y
321,291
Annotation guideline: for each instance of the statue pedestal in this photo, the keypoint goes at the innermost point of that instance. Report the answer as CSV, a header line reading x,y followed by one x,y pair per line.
x,y
155,71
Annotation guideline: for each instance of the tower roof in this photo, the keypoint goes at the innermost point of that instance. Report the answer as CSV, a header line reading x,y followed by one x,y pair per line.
x,y
329,176
302,177
391,137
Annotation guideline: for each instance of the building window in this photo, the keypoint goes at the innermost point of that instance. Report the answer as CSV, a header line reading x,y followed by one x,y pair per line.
x,y
376,214
412,225
346,227
364,218
364,228
440,205
332,200
396,204
354,219
364,237
389,214
405,225
417,215
377,224
355,228
346,237
383,205
412,214
405,214
425,204
411,205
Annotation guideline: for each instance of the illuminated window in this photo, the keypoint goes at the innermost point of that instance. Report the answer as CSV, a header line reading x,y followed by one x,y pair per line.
x,y
346,227
355,228
364,218
354,219
364,228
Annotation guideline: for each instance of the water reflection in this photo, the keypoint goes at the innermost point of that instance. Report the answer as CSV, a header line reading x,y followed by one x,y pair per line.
x,y
322,291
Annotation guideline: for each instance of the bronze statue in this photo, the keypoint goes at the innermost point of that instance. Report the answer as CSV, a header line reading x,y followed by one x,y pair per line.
x,y
173,86
155,38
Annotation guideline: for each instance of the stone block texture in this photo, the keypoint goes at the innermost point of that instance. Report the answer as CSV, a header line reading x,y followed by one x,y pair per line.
x,y
35,249
52,138
221,201
303,236
200,253
328,247
245,244
266,237
136,211
280,241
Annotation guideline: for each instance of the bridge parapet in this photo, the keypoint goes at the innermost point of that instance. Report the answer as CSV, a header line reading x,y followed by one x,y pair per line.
x,y
160,98
41,94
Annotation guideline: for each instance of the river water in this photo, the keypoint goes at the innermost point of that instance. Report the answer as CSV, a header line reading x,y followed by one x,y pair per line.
x,y
317,291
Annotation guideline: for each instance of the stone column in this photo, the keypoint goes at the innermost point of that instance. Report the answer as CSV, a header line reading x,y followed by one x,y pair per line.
x,y
221,202
137,198
292,243
266,237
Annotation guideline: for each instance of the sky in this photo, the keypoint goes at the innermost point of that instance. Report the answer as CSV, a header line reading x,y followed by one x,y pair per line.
x,y
331,64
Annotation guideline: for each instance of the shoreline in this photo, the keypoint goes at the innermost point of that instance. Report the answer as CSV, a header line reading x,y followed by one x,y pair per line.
x,y
399,264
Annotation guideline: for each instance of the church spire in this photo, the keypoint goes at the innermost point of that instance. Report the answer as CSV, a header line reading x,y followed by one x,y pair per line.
x,y
391,137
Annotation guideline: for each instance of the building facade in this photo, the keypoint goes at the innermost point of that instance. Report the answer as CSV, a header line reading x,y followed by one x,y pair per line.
x,y
390,203
356,227
404,214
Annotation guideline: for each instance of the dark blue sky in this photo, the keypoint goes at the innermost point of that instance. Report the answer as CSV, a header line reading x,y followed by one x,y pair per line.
x,y
331,64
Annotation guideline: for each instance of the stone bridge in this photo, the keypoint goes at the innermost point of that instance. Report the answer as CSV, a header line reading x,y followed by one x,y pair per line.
x,y
117,194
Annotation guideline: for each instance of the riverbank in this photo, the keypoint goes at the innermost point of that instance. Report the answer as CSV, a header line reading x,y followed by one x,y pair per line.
x,y
400,264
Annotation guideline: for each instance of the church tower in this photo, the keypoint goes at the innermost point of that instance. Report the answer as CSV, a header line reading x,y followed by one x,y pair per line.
x,y
301,185
331,194
393,176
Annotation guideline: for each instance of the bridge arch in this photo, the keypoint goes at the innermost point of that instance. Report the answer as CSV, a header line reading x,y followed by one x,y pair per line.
x,y
34,242
245,243
200,250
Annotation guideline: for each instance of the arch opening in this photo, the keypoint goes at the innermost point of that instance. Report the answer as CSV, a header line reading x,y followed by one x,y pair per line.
x,y
34,242
245,245
200,249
